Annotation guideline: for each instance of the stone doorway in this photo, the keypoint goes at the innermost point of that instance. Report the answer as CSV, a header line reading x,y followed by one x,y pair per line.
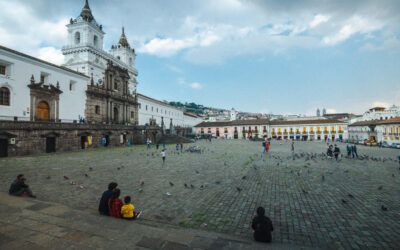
x,y
50,144
43,111
115,118
84,142
3,147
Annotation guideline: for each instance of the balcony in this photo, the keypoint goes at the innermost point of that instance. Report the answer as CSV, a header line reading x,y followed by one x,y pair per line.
x,y
304,132
318,132
279,133
292,133
340,131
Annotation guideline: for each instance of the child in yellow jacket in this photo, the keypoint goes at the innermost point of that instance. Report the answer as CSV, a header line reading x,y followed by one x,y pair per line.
x,y
127,210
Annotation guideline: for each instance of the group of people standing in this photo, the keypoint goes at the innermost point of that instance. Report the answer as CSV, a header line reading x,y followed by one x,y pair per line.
x,y
351,150
333,151
265,146
111,205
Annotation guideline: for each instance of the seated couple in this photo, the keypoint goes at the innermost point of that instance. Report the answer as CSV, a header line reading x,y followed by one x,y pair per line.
x,y
111,204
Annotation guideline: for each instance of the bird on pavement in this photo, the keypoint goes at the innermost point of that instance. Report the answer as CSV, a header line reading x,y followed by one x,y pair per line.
x,y
171,184
384,208
238,189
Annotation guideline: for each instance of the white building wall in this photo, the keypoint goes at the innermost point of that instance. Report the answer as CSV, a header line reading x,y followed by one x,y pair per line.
x,y
19,72
152,109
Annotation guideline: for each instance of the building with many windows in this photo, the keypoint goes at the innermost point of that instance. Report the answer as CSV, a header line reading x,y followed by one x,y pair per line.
x,y
306,130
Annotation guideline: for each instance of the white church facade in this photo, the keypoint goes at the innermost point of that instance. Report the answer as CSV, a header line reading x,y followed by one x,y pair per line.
x,y
32,89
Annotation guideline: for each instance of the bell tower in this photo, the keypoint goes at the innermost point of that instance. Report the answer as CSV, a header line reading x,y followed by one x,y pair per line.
x,y
123,51
85,41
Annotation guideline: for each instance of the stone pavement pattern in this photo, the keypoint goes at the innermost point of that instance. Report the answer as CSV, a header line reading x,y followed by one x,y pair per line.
x,y
31,224
305,208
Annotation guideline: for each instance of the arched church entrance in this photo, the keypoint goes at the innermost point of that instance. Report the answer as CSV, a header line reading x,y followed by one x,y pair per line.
x,y
115,114
43,111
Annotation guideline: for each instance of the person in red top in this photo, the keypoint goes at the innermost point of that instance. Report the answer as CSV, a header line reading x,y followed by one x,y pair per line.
x,y
115,204
267,146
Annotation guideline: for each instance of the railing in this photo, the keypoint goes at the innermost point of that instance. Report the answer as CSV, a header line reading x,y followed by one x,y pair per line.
x,y
292,133
333,132
340,131
304,132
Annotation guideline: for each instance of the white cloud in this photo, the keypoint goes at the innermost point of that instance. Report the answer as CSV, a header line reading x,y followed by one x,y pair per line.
x,y
21,29
389,44
195,85
52,55
318,19
356,24
174,68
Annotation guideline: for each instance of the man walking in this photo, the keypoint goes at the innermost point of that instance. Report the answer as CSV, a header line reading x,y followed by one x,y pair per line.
x,y
336,152
264,146
354,150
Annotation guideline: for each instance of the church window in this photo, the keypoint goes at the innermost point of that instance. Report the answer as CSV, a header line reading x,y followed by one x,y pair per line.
x,y
146,107
2,69
72,85
4,96
115,85
132,114
97,109
95,41
77,38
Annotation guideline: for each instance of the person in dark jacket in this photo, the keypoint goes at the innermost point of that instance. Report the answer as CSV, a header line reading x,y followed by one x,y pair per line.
x,y
103,206
19,188
336,152
262,226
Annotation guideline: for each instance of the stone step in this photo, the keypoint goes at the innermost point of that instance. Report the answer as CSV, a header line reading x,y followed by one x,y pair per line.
x,y
27,223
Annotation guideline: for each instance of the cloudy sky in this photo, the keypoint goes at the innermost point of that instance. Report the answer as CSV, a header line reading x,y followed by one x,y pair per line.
x,y
265,56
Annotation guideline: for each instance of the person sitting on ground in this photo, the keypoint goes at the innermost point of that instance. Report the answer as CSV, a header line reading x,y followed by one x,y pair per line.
x,y
103,205
19,188
262,226
115,204
127,210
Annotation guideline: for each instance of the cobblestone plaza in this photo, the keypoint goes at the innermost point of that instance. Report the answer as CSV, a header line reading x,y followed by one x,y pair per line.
x,y
312,201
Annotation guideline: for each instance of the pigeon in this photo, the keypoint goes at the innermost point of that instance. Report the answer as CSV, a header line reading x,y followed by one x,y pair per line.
x,y
304,191
217,182
186,185
168,193
72,183
86,175
323,177
384,208
90,169
48,177
66,177
238,189
201,187
392,175
197,172
140,190
118,168
80,186
350,195
244,177
344,201
142,183
191,186
171,184
380,187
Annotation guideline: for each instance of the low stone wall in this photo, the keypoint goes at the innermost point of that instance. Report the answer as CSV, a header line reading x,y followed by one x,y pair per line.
x,y
26,138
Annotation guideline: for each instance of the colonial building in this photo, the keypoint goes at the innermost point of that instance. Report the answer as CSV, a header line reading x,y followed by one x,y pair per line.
x,y
112,102
84,49
300,130
376,130
378,113
35,90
